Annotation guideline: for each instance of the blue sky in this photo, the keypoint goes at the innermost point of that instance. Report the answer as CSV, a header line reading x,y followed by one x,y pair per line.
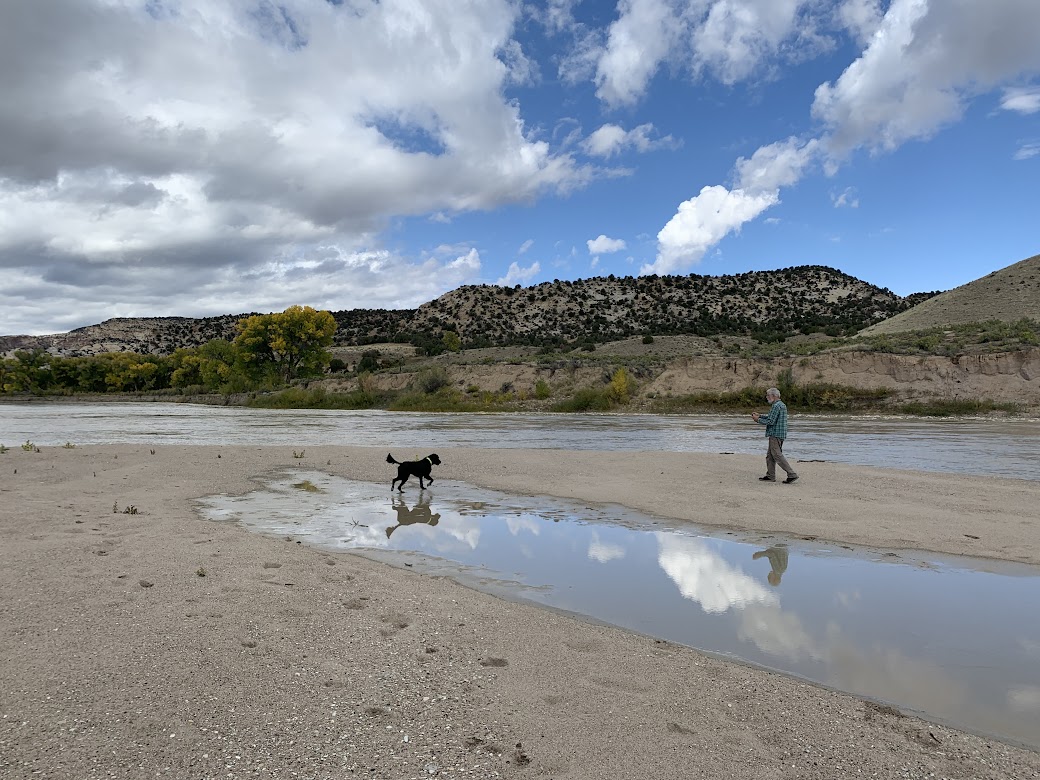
x,y
184,157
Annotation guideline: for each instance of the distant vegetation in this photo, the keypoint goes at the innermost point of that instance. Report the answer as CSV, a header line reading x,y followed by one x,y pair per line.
x,y
269,351
766,306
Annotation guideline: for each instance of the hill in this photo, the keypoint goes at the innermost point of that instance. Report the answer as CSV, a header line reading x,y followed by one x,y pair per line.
x,y
1010,294
766,305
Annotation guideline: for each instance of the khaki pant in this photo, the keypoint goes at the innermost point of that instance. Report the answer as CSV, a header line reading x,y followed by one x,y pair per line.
x,y
776,455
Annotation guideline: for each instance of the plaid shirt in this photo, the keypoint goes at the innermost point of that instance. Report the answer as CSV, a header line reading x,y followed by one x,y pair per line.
x,y
776,420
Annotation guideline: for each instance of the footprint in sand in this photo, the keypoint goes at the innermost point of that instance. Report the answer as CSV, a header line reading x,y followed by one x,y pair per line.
x,y
394,623
496,662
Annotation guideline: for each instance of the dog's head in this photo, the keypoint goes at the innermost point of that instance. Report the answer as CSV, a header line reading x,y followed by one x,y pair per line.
x,y
435,460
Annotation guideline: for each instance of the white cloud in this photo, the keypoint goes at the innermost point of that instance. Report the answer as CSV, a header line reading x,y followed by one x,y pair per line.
x,y
611,139
1024,100
738,35
777,165
703,221
922,62
601,245
1027,151
637,42
845,199
730,40
220,139
921,66
518,275
707,218
525,246
862,18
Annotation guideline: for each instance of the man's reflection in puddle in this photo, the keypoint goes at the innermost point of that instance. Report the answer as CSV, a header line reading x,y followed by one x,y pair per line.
x,y
777,555
420,513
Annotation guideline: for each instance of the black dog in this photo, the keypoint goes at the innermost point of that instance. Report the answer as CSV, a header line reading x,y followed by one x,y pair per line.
x,y
418,468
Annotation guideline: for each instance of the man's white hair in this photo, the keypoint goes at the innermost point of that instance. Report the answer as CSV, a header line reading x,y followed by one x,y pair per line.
x,y
772,392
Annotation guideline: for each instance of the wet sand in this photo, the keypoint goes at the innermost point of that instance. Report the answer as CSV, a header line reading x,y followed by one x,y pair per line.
x,y
162,644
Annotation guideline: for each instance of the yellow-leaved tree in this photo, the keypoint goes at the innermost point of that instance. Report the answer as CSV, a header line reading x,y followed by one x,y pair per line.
x,y
287,345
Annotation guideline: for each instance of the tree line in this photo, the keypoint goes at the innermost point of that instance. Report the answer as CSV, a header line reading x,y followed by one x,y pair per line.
x,y
269,350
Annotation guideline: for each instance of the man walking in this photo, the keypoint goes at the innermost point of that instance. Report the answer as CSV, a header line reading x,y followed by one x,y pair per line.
x,y
776,430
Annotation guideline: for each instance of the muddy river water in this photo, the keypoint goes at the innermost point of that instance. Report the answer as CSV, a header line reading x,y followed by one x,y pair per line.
x,y
1008,448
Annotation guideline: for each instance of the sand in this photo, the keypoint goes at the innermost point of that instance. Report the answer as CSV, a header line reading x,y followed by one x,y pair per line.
x,y
162,644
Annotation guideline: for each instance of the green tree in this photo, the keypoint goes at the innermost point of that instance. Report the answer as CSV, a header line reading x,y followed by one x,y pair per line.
x,y
451,340
287,345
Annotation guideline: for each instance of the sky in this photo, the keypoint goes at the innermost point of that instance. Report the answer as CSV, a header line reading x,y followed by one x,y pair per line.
x,y
196,158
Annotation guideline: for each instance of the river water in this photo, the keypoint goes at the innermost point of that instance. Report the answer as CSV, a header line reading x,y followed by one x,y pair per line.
x,y
1006,448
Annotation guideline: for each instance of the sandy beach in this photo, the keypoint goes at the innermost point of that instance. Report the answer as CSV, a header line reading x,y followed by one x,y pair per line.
x,y
163,644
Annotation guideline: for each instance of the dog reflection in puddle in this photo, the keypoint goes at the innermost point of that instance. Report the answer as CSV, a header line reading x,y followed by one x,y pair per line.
x,y
420,513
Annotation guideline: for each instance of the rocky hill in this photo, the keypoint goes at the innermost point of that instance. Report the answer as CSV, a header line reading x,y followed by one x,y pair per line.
x,y
1009,294
768,305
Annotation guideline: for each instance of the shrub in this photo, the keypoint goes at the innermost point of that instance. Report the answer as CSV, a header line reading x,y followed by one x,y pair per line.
x,y
430,380
586,400
542,390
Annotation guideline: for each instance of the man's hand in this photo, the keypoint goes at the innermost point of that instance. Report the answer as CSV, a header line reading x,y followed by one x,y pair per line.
x,y
754,416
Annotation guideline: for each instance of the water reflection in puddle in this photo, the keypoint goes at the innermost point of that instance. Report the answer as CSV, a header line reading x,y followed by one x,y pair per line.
x,y
956,644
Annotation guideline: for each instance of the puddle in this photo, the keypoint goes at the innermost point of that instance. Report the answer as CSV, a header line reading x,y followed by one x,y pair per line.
x,y
955,640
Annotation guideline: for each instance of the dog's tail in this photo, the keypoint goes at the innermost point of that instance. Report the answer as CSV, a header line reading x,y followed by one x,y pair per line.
x,y
390,459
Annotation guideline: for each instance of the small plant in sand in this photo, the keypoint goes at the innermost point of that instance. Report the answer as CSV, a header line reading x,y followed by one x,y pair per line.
x,y
3,449
115,507
307,485
69,445
200,572
152,451
30,447
130,510
297,455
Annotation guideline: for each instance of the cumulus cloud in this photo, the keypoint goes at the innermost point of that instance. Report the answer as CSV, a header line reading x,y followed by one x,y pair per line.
x,y
1024,100
611,139
144,137
737,36
703,221
922,65
517,275
641,37
601,245
730,40
715,212
862,18
922,62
